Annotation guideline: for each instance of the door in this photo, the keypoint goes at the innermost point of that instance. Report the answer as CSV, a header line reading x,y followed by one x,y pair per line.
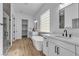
x,y
5,29
56,50
6,40
45,46
64,52
77,50
24,28
52,49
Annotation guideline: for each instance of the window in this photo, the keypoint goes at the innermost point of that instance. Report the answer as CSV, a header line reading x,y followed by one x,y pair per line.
x,y
45,22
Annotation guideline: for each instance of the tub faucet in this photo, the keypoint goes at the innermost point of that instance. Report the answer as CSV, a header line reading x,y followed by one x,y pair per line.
x,y
65,32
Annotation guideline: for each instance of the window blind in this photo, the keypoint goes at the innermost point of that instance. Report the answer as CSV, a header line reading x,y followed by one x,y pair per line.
x,y
45,22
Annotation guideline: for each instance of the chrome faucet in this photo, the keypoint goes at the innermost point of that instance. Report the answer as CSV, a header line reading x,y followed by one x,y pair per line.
x,y
65,32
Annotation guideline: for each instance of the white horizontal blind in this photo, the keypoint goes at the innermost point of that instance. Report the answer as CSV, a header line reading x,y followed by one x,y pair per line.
x,y
45,22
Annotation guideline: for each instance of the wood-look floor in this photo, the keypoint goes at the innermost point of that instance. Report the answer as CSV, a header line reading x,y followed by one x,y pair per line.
x,y
24,47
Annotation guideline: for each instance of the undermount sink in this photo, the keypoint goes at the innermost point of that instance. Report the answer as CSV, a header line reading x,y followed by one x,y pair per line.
x,y
59,36
62,37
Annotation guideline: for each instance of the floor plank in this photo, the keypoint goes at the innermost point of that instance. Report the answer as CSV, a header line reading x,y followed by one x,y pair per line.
x,y
24,47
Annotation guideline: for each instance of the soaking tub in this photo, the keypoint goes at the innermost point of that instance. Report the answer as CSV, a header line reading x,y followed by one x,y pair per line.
x,y
38,42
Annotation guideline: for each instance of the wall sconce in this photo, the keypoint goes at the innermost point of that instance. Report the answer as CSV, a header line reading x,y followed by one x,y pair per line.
x,y
35,21
35,25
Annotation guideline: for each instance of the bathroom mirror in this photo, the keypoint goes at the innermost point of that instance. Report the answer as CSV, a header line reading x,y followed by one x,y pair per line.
x,y
61,18
68,16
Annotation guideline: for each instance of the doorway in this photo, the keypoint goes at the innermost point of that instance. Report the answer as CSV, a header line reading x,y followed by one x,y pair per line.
x,y
24,28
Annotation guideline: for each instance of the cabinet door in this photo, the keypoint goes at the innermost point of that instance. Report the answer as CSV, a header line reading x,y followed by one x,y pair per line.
x,y
58,48
77,50
64,52
52,49
45,46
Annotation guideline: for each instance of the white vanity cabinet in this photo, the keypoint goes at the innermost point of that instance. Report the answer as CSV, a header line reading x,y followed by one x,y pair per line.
x,y
45,46
55,46
59,48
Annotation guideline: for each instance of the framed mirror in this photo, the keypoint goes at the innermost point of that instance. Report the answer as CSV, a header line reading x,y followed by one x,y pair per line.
x,y
68,16
61,19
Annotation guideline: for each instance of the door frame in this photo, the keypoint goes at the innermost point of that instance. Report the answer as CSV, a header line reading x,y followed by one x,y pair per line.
x,y
27,26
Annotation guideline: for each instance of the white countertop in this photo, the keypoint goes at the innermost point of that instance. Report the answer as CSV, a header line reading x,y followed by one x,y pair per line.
x,y
72,40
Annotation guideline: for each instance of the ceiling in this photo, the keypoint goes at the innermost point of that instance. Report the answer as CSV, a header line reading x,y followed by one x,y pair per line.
x,y
27,8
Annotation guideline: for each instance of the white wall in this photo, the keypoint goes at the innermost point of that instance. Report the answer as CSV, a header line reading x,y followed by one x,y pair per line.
x,y
71,12
1,29
12,16
18,22
54,19
54,15
19,17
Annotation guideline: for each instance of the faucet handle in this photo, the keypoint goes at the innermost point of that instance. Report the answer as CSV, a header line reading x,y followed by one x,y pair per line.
x,y
62,34
70,35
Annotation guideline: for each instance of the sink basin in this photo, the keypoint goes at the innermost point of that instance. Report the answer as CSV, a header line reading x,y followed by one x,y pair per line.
x,y
59,36
63,37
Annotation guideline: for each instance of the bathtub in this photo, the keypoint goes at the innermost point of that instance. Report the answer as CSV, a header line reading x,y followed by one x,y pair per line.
x,y
38,42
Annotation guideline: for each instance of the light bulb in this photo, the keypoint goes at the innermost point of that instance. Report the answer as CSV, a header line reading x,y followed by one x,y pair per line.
x,y
35,21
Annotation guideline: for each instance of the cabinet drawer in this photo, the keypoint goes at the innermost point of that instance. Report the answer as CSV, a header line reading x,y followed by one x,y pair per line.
x,y
66,45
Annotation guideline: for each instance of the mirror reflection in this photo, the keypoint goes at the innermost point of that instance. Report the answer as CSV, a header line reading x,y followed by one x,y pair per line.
x,y
68,16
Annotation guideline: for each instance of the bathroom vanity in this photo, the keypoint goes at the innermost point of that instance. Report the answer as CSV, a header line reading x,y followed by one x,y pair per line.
x,y
65,44
60,46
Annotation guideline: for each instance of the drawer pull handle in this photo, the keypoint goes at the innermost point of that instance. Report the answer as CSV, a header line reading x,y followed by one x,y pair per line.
x,y
58,51
55,49
47,44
